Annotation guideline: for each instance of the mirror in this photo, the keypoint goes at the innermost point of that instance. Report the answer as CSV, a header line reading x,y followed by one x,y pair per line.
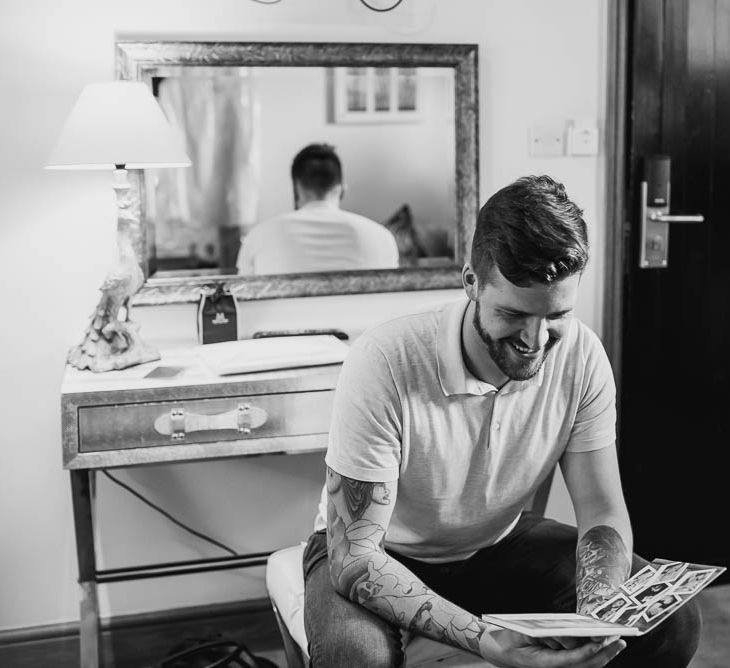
x,y
401,118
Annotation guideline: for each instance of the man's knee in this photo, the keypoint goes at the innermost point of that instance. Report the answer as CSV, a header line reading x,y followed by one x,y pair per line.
x,y
672,644
681,634
341,633
354,645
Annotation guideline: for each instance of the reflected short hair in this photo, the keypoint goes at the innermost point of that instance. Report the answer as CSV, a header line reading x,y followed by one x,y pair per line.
x,y
317,168
531,232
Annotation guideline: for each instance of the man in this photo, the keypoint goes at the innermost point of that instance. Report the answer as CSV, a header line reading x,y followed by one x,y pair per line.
x,y
444,425
318,235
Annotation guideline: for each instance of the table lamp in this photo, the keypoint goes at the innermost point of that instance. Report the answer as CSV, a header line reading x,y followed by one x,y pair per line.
x,y
117,125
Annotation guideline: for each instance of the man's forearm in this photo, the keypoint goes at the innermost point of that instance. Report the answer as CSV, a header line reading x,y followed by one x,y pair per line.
x,y
383,585
603,562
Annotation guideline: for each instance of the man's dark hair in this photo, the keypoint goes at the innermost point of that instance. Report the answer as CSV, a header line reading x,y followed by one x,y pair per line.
x,y
317,168
531,232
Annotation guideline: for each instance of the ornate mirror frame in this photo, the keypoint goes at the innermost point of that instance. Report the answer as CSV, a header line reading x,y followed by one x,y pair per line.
x,y
142,60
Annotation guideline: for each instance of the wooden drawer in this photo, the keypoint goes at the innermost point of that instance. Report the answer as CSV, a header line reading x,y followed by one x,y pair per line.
x,y
154,424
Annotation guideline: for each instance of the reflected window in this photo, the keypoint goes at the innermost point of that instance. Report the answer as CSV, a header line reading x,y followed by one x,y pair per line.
x,y
357,89
406,89
382,88
376,95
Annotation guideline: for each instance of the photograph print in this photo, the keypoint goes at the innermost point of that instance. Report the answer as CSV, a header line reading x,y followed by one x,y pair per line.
x,y
660,606
637,581
628,615
609,611
650,592
671,571
693,581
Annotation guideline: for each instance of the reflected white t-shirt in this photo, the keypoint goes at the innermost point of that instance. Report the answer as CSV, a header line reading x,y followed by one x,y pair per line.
x,y
317,237
467,457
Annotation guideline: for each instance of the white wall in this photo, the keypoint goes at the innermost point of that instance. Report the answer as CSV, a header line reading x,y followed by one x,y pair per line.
x,y
538,60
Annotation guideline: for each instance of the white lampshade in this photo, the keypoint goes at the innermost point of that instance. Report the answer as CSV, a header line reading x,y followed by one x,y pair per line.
x,y
117,123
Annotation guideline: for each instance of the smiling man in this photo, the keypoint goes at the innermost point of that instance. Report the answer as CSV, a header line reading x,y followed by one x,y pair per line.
x,y
445,424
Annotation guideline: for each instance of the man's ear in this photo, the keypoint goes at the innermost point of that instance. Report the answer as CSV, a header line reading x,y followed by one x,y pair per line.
x,y
343,189
470,282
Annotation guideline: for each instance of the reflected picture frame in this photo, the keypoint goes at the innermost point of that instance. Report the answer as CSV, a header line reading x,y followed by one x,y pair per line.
x,y
375,95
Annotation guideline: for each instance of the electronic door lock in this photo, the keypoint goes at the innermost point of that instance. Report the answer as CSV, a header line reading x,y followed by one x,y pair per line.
x,y
655,216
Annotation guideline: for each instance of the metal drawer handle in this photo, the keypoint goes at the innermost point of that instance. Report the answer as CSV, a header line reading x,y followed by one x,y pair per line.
x,y
178,423
245,418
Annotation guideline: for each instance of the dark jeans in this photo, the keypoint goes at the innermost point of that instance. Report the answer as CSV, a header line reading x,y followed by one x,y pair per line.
x,y
531,570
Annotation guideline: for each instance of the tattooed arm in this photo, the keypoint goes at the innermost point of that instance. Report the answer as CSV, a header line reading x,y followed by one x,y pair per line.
x,y
358,514
603,554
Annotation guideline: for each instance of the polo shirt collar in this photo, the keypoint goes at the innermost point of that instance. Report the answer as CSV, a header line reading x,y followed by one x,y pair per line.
x,y
320,204
454,376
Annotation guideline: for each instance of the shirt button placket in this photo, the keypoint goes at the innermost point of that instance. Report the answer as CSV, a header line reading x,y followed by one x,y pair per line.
x,y
495,417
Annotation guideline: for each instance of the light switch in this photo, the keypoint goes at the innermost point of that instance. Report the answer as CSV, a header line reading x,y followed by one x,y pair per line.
x,y
546,141
582,138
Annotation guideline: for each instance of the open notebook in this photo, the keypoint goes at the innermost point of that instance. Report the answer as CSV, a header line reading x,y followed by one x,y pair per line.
x,y
644,601
277,352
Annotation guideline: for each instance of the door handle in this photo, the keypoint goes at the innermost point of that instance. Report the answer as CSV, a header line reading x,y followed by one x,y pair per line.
x,y
662,218
655,216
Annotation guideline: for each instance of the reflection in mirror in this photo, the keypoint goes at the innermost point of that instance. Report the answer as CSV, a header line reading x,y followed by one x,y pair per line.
x,y
403,119
318,235
393,130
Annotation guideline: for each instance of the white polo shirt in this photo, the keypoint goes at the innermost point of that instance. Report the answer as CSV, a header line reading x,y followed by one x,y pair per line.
x,y
317,237
467,457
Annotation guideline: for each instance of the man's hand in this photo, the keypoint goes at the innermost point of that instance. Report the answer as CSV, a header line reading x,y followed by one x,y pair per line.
x,y
509,649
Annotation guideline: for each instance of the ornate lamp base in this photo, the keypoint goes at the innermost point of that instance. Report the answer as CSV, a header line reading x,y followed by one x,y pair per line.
x,y
111,342
115,346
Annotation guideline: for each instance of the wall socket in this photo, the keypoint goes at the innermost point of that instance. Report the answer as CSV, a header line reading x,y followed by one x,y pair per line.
x,y
546,141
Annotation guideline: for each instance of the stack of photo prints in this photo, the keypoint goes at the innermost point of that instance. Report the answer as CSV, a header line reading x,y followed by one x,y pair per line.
x,y
644,601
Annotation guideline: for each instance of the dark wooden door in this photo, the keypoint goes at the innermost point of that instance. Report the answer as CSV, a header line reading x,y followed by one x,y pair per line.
x,y
674,436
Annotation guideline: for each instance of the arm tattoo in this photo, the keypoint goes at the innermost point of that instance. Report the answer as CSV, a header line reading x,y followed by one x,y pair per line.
x,y
362,570
603,563
358,495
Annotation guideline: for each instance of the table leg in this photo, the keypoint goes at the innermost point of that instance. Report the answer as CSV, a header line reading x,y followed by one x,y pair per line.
x,y
83,493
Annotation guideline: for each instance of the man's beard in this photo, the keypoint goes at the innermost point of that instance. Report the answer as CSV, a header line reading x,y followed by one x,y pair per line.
x,y
501,353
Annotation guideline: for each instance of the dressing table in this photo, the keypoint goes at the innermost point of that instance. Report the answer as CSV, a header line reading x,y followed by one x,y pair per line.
x,y
125,418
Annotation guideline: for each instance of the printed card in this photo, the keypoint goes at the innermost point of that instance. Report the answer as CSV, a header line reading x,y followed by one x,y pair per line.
x,y
644,601
559,624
